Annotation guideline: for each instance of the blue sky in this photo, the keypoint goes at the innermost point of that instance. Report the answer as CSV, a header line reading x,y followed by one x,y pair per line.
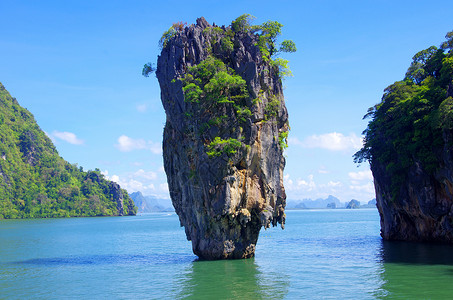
x,y
76,65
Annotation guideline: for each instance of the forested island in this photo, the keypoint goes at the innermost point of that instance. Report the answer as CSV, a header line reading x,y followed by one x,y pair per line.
x,y
409,144
35,182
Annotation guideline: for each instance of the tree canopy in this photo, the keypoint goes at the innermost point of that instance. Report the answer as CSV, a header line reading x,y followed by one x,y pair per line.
x,y
408,125
36,182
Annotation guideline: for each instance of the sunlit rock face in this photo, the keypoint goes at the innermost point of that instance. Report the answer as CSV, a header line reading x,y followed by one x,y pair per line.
x,y
223,159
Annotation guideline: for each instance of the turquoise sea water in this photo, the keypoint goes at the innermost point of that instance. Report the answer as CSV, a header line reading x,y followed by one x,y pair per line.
x,y
324,254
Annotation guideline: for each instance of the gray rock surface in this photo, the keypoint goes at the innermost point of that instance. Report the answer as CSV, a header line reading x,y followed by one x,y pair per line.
x,y
223,201
423,209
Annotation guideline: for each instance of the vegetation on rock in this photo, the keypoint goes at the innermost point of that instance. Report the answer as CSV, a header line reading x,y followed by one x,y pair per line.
x,y
35,182
268,33
415,117
219,146
225,133
212,83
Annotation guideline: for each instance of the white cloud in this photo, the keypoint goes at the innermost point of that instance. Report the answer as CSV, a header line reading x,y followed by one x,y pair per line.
x,y
130,184
66,136
142,108
127,144
334,184
362,183
365,188
146,174
164,187
361,175
331,141
307,185
310,187
141,180
287,179
114,178
155,148
323,170
294,141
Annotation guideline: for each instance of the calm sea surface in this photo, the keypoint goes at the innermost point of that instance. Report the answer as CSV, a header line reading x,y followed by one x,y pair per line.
x,y
324,254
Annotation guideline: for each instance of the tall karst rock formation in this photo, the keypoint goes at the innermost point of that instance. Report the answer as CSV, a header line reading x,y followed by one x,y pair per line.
x,y
224,136
408,143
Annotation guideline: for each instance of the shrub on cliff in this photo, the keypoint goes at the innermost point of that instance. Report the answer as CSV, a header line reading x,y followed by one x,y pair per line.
x,y
212,82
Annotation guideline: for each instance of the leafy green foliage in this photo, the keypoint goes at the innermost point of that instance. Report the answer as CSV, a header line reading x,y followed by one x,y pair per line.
x,y
167,35
219,36
192,92
170,33
407,127
148,69
217,100
243,113
270,30
226,44
36,182
214,83
419,69
242,23
448,44
283,67
288,46
225,88
283,139
271,109
220,146
268,33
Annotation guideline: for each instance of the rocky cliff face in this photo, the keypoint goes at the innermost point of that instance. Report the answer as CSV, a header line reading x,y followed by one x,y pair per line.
x,y
423,207
223,139
409,145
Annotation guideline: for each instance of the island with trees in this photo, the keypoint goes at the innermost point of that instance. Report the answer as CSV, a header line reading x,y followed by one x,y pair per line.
x,y
409,145
35,182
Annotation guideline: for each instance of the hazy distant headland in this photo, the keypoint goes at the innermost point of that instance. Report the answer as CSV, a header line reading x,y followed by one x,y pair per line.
x,y
331,202
150,204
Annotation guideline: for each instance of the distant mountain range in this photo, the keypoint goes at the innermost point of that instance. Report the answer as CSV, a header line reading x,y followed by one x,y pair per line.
x,y
148,204
329,202
371,204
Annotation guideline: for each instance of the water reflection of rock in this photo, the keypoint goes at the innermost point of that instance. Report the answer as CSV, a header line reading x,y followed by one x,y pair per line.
x,y
417,253
416,271
231,279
